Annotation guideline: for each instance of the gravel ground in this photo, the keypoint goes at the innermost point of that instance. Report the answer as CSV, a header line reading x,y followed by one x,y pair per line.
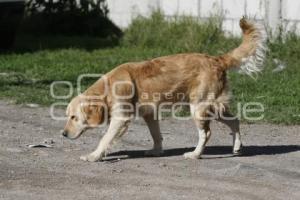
x,y
268,169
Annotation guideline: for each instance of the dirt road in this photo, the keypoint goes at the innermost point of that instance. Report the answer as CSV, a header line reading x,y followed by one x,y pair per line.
x,y
269,169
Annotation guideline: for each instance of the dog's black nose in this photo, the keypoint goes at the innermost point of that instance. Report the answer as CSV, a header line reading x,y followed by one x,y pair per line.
x,y
64,133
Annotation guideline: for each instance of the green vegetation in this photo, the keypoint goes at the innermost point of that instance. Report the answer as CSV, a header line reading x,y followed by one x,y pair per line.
x,y
26,77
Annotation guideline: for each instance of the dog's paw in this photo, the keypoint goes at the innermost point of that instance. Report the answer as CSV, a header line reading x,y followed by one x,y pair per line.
x,y
238,152
191,155
154,152
90,158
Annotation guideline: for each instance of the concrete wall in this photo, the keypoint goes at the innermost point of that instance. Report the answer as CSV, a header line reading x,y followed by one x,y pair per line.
x,y
271,12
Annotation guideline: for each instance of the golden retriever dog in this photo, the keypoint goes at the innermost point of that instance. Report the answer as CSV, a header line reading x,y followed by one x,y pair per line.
x,y
143,88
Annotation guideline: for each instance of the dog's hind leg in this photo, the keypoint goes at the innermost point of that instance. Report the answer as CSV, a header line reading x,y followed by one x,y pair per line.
x,y
203,130
234,124
117,127
153,125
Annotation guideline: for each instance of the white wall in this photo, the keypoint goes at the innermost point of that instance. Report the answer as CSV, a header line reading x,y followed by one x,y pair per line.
x,y
122,11
271,12
291,15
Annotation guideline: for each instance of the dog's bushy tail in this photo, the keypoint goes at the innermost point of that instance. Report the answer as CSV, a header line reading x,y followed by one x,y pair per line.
x,y
249,56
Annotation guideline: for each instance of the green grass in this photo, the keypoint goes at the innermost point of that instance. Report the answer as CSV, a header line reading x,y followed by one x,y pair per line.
x,y
26,77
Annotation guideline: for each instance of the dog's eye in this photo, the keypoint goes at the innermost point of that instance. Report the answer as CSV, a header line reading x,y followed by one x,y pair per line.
x,y
73,117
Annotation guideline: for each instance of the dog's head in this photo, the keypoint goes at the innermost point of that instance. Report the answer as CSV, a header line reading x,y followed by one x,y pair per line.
x,y
83,113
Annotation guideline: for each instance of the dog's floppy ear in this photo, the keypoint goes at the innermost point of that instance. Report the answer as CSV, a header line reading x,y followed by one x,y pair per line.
x,y
94,112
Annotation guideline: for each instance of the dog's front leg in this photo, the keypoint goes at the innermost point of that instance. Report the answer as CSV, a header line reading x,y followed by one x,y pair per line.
x,y
153,125
116,128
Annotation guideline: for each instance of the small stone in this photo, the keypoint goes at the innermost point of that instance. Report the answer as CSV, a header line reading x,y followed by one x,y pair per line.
x,y
117,170
162,164
49,141
32,105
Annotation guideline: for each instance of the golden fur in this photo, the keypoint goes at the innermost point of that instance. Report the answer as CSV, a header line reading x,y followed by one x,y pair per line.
x,y
199,79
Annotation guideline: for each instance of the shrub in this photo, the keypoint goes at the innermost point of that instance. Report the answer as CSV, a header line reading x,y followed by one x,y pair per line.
x,y
178,34
68,17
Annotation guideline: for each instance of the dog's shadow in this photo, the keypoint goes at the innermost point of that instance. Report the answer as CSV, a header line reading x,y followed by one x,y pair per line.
x,y
219,151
